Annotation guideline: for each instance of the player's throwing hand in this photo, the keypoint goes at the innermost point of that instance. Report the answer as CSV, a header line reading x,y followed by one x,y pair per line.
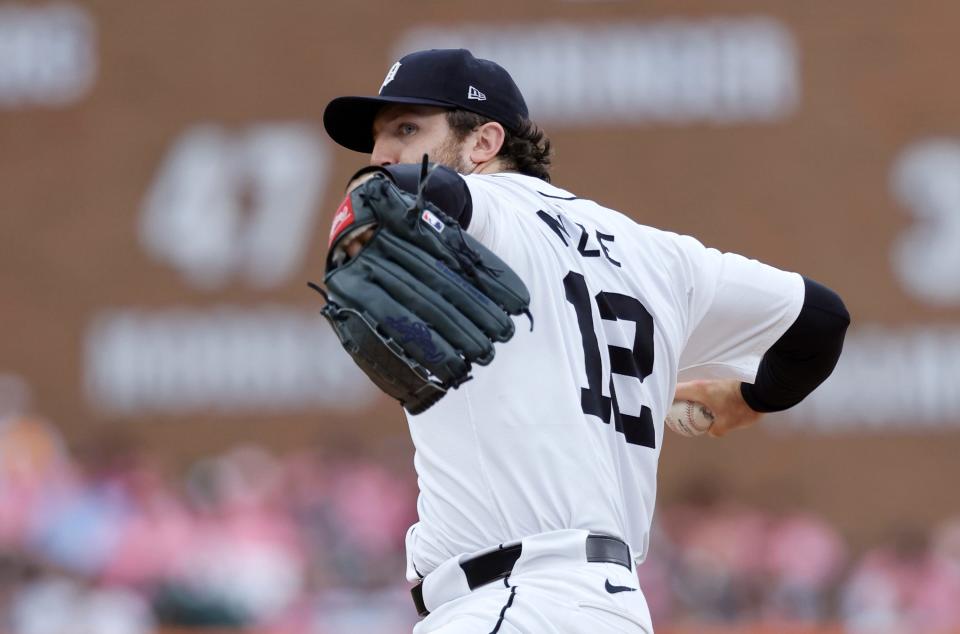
x,y
724,399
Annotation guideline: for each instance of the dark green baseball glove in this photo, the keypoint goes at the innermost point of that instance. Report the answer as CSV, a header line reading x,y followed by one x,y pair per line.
x,y
422,300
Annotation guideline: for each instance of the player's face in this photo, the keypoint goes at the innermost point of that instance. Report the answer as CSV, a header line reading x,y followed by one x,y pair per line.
x,y
403,134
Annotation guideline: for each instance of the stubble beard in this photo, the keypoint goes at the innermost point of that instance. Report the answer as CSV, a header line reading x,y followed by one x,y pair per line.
x,y
450,154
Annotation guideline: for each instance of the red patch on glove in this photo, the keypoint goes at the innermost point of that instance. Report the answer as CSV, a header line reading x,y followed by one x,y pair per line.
x,y
342,219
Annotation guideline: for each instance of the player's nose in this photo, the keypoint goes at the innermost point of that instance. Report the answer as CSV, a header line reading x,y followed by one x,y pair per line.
x,y
382,154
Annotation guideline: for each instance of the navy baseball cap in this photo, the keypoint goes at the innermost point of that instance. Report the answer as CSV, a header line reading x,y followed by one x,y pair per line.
x,y
448,78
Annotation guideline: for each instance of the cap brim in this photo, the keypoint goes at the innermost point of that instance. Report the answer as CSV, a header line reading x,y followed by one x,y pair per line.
x,y
349,120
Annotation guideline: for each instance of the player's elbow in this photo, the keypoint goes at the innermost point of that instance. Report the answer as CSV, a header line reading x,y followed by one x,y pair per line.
x,y
804,356
831,315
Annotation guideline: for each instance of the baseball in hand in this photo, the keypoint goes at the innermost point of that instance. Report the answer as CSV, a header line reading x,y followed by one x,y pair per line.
x,y
689,418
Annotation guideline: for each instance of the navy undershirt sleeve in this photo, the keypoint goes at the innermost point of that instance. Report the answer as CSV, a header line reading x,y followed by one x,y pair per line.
x,y
445,189
804,356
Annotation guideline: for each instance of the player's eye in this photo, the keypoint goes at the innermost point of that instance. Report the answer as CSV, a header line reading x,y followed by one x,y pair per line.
x,y
406,129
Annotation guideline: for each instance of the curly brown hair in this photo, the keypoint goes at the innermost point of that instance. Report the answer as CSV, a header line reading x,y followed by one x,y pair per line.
x,y
526,149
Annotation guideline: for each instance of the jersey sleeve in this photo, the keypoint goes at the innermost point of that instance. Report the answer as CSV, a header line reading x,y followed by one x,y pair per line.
x,y
737,309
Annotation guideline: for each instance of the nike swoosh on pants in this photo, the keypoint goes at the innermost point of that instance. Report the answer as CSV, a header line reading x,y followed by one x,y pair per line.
x,y
612,589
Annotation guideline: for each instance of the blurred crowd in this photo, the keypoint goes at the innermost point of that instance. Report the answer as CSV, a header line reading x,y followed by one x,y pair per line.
x,y
716,561
105,541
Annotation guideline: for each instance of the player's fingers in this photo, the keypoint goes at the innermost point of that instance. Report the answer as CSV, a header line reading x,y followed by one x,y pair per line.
x,y
353,245
723,398
691,391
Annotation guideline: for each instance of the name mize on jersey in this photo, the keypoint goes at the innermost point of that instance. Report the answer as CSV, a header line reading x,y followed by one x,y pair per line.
x,y
558,225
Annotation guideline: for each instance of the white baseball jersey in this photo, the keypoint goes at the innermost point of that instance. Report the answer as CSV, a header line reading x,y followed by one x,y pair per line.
x,y
564,428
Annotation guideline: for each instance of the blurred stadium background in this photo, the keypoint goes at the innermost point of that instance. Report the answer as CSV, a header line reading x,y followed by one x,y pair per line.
x,y
183,444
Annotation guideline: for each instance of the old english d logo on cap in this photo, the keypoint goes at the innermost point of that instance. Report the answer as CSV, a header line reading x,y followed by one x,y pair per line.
x,y
390,75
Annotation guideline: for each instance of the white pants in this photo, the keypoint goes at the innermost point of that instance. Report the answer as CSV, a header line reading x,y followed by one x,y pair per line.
x,y
552,590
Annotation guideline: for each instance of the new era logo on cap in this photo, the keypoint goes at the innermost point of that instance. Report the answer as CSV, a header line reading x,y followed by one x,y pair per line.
x,y
473,93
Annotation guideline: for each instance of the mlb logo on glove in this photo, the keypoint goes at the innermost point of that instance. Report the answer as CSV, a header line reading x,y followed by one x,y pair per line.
x,y
432,220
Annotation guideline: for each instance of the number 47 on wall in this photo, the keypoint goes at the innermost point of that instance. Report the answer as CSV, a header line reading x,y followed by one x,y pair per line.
x,y
236,203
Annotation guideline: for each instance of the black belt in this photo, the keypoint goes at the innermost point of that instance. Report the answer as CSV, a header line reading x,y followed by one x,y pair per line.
x,y
498,564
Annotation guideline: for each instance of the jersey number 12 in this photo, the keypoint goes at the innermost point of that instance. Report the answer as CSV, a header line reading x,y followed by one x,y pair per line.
x,y
636,362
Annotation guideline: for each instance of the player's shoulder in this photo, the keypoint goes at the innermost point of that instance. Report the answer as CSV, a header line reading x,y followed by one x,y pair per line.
x,y
517,182
519,193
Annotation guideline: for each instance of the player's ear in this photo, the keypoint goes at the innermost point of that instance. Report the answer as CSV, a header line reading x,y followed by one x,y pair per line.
x,y
487,141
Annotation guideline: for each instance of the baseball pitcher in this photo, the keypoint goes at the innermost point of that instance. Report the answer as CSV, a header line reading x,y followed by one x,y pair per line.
x,y
536,340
